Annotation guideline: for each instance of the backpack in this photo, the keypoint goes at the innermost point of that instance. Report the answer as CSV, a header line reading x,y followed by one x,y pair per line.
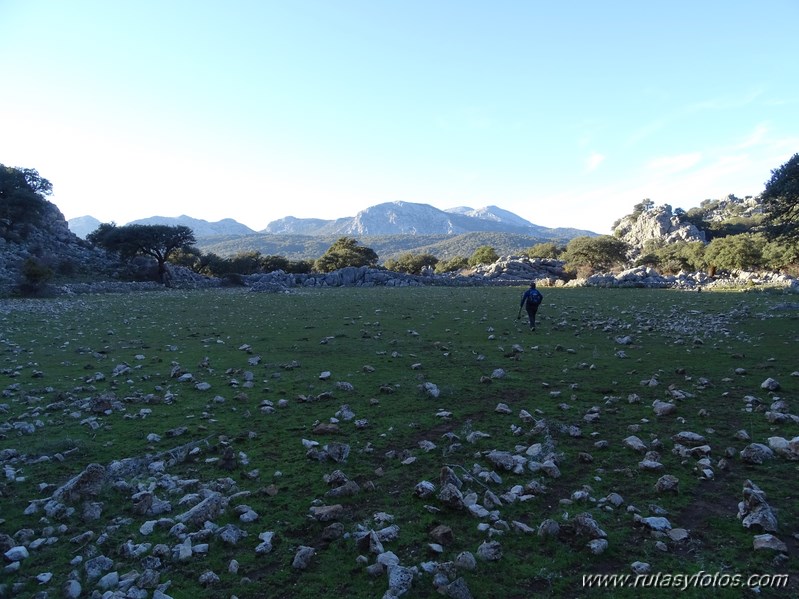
x,y
535,297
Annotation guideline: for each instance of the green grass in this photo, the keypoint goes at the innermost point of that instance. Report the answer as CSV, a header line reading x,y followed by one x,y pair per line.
x,y
51,350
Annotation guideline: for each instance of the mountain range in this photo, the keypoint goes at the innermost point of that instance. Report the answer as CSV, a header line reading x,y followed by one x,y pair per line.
x,y
390,218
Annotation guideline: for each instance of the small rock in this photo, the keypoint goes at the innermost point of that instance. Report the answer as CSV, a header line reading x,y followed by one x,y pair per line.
x,y
465,561
756,453
442,534
657,523
400,580
634,443
597,546
458,589
302,559
490,551
16,554
208,578
326,513
662,408
678,534
548,529
769,541
667,484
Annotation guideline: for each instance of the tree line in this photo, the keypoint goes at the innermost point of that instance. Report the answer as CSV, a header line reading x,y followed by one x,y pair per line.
x,y
770,242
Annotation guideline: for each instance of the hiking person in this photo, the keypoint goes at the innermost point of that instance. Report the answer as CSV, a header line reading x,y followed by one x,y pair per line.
x,y
531,299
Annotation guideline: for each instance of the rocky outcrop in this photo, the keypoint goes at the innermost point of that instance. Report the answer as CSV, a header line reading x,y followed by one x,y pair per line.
x,y
656,224
646,277
50,242
730,207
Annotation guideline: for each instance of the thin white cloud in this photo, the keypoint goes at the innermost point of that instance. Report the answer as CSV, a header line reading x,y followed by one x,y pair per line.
x,y
593,161
723,102
756,138
647,130
674,164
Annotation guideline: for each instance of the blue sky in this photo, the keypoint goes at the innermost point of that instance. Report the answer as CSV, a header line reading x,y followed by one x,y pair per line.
x,y
566,113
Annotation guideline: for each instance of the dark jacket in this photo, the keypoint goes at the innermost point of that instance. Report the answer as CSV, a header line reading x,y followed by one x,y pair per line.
x,y
532,296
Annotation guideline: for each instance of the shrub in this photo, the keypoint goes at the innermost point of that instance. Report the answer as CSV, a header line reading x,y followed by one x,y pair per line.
x,y
452,264
550,249
485,254
35,276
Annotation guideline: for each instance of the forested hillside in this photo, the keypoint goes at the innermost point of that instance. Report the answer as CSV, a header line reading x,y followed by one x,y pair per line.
x,y
307,247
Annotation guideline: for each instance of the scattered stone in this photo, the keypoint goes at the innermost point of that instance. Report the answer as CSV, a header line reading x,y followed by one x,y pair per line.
x,y
785,448
72,589
754,511
209,578
678,534
548,529
585,525
424,489
650,466
465,561
597,546
451,496
108,581
400,580
430,389
662,408
769,541
689,439
756,453
489,551
656,523
266,542
634,443
667,484
208,509
442,534
85,485
16,554
326,513
458,589
302,559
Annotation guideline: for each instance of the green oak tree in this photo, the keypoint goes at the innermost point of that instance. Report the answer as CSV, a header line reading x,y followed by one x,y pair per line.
x,y
781,202
156,241
594,253
345,252
485,254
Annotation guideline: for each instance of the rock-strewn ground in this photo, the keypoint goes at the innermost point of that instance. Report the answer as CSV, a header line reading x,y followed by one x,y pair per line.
x,y
393,442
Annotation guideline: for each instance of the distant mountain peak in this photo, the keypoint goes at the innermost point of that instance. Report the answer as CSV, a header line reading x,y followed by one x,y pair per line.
x,y
83,225
397,217
411,218
200,227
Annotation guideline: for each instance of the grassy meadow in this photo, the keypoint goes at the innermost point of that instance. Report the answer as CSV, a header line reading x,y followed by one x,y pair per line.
x,y
576,371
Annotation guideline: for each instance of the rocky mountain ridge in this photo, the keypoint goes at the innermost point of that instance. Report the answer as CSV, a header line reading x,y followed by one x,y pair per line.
x,y
389,218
